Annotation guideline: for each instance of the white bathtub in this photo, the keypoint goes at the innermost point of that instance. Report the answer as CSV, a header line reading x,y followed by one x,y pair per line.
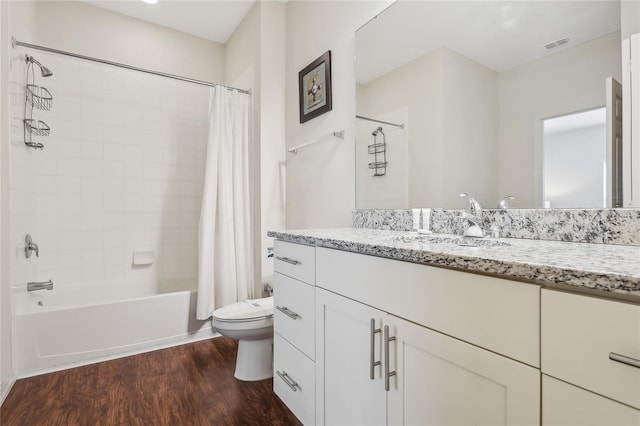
x,y
54,330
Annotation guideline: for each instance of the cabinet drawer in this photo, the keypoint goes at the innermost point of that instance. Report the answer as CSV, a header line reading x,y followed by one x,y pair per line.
x,y
579,333
296,261
294,313
567,405
294,380
497,314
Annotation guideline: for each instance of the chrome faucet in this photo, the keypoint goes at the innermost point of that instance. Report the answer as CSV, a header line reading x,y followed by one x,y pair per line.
x,y
43,285
30,246
504,203
473,216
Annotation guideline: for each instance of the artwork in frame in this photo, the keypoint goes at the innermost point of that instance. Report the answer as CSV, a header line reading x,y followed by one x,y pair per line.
x,y
314,83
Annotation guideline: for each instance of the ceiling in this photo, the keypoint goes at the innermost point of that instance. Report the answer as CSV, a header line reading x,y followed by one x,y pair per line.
x,y
497,34
213,20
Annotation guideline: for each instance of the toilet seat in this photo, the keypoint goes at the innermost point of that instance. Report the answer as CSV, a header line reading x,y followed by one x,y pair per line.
x,y
246,311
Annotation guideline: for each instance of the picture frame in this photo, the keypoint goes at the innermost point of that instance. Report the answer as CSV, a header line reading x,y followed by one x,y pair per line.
x,y
314,87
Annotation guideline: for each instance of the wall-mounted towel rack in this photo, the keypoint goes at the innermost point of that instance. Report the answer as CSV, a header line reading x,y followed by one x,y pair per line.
x,y
339,135
380,121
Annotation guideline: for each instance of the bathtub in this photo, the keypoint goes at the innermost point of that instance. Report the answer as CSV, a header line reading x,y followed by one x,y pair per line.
x,y
55,330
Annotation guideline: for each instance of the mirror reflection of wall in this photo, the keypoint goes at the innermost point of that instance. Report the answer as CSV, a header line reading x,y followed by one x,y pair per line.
x,y
575,160
473,80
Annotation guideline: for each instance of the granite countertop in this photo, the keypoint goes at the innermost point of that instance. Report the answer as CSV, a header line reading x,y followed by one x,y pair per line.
x,y
603,267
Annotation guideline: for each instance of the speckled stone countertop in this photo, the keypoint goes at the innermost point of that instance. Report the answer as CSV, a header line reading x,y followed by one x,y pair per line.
x,y
603,267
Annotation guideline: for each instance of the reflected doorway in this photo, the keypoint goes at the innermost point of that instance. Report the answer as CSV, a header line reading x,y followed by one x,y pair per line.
x,y
574,160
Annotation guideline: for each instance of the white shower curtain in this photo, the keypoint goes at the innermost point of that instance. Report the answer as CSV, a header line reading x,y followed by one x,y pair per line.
x,y
225,254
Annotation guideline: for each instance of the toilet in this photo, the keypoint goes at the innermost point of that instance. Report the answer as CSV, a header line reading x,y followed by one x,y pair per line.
x,y
251,323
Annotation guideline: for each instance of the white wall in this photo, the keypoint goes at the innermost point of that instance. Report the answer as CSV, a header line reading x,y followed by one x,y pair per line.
x,y
320,178
630,18
540,90
470,132
92,31
272,127
572,165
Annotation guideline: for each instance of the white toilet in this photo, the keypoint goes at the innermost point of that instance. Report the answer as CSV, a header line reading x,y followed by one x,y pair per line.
x,y
251,323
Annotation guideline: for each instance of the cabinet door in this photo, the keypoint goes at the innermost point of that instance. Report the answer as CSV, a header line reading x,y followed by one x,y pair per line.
x,y
345,392
567,405
440,380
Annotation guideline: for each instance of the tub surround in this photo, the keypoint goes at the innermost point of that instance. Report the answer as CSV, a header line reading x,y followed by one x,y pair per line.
x,y
598,226
604,267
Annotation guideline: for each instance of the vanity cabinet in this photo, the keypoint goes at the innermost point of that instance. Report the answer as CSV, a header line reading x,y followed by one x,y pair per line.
x,y
566,405
294,328
380,362
374,368
580,336
347,352
373,341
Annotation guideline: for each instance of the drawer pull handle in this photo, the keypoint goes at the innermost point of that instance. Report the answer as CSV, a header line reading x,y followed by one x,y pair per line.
x,y
288,380
373,363
624,359
287,260
288,312
387,373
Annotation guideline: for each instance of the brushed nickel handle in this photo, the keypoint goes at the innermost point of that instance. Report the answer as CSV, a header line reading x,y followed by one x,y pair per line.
x,y
387,373
288,380
624,359
288,312
287,260
373,363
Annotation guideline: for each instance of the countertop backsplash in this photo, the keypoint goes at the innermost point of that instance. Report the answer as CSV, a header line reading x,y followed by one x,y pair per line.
x,y
603,226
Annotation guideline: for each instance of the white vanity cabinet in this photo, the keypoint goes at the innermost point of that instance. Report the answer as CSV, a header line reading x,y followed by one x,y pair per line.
x,y
294,328
581,383
373,367
347,353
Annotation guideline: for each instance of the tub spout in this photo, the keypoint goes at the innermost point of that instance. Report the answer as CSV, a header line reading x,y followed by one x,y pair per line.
x,y
43,285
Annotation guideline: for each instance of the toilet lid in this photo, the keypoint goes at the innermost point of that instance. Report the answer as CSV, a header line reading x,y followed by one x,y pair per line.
x,y
246,310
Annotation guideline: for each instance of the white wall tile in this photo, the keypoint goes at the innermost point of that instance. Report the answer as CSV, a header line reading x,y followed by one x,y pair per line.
x,y
122,171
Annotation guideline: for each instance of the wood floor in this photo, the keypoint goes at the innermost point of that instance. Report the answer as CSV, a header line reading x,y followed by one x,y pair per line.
x,y
185,385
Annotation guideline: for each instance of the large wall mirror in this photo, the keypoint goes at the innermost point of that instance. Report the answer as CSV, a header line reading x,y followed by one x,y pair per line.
x,y
492,98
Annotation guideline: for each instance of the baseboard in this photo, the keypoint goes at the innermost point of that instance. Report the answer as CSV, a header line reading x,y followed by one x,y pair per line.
x,y
5,388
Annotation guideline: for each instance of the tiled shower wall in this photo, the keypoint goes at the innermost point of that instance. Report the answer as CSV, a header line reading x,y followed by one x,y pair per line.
x,y
122,171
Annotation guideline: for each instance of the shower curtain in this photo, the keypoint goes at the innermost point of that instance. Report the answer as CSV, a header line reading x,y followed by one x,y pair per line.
x,y
225,254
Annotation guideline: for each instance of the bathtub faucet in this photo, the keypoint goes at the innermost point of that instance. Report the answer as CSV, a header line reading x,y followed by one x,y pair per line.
x,y
43,285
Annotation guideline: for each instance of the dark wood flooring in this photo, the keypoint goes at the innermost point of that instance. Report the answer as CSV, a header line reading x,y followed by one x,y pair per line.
x,y
185,385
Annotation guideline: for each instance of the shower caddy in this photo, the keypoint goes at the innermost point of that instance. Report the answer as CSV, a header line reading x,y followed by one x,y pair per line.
x,y
37,97
379,152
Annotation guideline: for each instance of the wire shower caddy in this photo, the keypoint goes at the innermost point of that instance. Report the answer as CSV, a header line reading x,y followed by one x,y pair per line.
x,y
36,97
379,152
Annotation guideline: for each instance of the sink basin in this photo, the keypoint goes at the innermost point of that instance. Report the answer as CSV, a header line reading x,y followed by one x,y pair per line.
x,y
449,240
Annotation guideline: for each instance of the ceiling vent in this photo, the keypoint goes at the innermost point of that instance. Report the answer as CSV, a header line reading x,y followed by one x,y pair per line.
x,y
557,43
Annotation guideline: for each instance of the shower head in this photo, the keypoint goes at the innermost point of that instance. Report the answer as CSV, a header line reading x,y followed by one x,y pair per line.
x,y
46,72
376,131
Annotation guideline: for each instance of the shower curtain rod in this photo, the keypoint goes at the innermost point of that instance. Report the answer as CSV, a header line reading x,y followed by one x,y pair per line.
x,y
380,121
16,43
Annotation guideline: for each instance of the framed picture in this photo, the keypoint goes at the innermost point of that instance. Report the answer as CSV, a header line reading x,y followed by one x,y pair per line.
x,y
314,83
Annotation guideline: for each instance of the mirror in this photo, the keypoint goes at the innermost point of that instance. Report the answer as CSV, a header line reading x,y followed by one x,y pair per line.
x,y
459,93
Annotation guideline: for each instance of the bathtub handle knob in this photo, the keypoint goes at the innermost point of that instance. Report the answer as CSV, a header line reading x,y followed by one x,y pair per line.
x,y
30,246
